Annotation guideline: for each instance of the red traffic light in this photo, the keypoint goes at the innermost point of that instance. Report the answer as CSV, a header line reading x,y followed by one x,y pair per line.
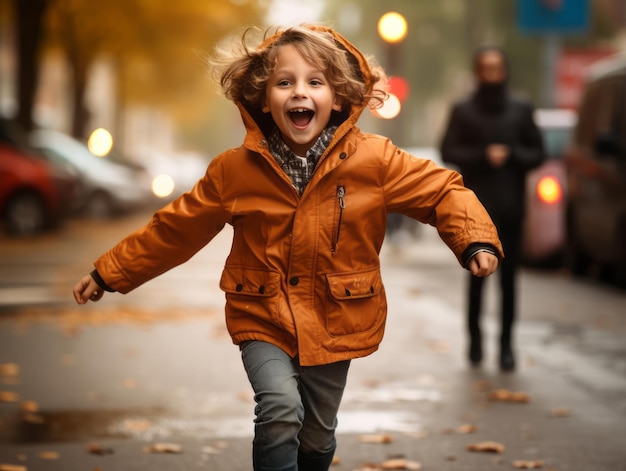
x,y
399,86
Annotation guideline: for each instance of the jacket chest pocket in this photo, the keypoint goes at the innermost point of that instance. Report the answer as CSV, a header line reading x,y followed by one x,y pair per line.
x,y
354,302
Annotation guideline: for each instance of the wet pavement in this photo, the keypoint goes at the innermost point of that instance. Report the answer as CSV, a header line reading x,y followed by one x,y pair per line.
x,y
157,367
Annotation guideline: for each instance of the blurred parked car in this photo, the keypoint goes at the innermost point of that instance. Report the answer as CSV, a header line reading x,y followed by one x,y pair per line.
x,y
544,238
172,174
34,193
596,168
105,187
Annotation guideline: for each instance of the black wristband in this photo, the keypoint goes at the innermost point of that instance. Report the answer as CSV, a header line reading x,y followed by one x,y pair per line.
x,y
101,283
474,248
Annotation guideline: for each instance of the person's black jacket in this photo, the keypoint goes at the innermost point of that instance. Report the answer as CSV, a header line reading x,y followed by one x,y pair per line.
x,y
471,129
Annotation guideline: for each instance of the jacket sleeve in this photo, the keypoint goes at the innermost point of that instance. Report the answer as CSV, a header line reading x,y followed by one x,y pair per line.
x,y
455,149
174,235
421,189
530,152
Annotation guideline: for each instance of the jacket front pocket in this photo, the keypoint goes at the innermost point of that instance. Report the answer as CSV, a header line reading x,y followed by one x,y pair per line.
x,y
251,296
354,302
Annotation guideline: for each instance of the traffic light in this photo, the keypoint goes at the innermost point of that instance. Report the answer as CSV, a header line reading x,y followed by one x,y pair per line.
x,y
392,28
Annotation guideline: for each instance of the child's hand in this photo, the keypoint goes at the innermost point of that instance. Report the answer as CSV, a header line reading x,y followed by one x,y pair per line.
x,y
87,289
483,264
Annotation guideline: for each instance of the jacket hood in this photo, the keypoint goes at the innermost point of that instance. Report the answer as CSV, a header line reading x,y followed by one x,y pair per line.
x,y
256,120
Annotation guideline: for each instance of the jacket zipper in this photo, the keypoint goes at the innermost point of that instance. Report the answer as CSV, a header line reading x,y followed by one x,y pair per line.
x,y
341,204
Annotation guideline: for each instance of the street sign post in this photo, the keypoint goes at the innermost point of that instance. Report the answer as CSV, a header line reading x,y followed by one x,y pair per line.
x,y
540,17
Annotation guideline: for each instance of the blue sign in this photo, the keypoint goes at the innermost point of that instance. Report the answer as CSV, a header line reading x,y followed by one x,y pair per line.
x,y
553,16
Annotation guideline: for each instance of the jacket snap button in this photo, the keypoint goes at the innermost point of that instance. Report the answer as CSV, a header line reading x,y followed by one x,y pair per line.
x,y
342,155
239,287
371,289
262,289
348,293
294,281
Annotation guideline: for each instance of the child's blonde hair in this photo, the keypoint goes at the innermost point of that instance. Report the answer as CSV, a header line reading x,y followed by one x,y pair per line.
x,y
243,71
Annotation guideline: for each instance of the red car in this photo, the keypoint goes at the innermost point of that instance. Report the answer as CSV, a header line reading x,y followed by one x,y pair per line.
x,y
34,194
544,240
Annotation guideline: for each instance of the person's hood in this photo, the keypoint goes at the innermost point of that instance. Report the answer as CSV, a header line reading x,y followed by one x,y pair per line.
x,y
256,121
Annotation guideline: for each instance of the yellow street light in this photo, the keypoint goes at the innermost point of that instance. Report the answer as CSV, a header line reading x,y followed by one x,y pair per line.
x,y
100,142
392,27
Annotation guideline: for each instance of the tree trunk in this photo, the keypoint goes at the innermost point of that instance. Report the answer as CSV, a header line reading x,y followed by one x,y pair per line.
x,y
30,14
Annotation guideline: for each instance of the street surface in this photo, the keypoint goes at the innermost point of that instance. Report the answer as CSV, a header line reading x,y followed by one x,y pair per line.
x,y
102,386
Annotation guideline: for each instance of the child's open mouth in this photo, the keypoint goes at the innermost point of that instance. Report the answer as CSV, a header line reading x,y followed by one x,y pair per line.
x,y
300,117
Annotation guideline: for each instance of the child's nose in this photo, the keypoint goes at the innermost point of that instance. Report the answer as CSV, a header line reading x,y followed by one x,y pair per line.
x,y
299,90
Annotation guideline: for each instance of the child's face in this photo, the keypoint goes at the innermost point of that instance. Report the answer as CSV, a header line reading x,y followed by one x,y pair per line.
x,y
300,100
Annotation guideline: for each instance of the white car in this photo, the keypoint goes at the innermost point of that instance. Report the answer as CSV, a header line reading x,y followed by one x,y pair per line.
x,y
106,187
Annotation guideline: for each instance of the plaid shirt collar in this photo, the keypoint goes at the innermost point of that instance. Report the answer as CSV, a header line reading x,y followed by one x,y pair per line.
x,y
300,170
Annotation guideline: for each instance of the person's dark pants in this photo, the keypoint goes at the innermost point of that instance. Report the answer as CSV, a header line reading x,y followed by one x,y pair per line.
x,y
510,236
296,411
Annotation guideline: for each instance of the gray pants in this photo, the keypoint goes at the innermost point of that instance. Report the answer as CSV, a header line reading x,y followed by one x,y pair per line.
x,y
296,411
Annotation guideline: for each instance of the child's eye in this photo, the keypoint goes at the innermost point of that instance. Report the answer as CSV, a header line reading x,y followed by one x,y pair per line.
x,y
316,82
283,83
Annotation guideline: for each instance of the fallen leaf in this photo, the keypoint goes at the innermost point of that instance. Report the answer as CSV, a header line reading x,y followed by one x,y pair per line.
x,y
561,412
336,461
376,438
163,448
12,467
137,425
8,396
209,450
465,429
9,373
481,386
33,418
49,455
96,449
488,447
368,467
400,463
439,346
525,464
130,384
29,406
509,396
9,369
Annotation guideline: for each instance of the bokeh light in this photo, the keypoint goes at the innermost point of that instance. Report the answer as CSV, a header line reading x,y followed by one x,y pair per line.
x,y
100,142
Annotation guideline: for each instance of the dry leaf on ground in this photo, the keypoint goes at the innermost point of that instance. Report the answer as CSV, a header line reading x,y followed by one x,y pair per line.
x,y
96,449
137,425
8,396
509,396
527,464
400,463
163,448
561,412
29,406
9,369
9,373
488,447
49,455
12,467
465,429
376,438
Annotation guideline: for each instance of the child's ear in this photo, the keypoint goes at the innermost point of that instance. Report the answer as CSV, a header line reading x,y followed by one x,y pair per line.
x,y
337,106
265,108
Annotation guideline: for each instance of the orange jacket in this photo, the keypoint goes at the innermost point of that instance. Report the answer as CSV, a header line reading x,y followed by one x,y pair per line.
x,y
303,272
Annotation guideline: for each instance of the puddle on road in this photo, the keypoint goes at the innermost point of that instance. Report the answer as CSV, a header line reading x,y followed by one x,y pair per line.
x,y
363,412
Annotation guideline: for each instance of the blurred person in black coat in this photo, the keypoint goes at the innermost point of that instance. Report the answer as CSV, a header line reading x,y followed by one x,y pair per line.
x,y
492,139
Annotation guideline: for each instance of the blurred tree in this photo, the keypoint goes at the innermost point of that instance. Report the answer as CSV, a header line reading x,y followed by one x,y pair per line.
x,y
153,45
29,18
